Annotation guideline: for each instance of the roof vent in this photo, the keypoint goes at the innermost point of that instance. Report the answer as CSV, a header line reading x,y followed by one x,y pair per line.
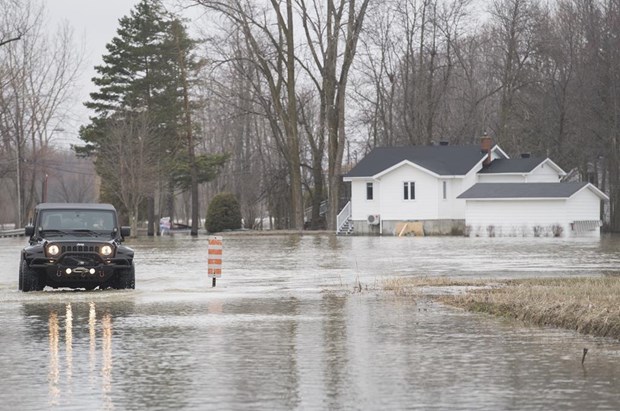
x,y
525,155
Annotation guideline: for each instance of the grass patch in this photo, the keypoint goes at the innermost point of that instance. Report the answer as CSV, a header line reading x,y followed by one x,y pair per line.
x,y
589,305
412,286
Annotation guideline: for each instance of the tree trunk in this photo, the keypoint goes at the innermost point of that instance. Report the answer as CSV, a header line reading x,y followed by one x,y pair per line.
x,y
150,207
190,138
297,206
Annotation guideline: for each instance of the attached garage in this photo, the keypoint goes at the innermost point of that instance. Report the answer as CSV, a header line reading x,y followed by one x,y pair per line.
x,y
533,209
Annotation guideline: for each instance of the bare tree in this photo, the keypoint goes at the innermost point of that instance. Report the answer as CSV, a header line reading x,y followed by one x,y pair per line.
x,y
126,162
513,33
270,40
69,179
13,20
327,29
37,75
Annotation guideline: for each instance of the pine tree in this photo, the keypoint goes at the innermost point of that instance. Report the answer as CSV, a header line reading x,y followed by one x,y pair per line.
x,y
144,81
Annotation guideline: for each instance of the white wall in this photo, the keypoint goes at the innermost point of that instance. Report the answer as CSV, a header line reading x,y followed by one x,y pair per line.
x,y
544,173
445,205
429,203
519,217
501,178
394,207
585,205
360,207
460,186
515,217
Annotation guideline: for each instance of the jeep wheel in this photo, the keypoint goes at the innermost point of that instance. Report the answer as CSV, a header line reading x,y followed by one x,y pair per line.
x,y
30,279
126,279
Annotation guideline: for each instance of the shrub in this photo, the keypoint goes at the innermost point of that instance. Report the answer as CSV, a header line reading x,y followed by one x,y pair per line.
x,y
491,230
557,230
224,213
538,230
467,231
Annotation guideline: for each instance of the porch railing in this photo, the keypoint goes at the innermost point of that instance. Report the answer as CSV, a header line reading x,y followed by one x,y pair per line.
x,y
343,216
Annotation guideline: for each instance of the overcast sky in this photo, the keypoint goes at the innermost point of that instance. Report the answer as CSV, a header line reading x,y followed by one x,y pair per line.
x,y
94,23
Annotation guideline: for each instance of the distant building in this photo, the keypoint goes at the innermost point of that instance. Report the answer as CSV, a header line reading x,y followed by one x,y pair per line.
x,y
475,190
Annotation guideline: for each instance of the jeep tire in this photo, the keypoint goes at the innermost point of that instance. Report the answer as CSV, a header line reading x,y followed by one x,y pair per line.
x,y
125,279
30,280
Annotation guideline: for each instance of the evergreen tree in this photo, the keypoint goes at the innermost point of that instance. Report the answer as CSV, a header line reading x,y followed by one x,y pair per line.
x,y
145,79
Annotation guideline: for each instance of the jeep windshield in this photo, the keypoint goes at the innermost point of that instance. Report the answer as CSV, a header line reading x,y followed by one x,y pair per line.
x,y
76,222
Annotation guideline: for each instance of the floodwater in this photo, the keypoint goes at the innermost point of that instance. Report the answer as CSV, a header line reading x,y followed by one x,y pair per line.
x,y
284,330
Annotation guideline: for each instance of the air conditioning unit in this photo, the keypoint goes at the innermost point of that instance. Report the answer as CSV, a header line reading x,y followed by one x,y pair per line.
x,y
373,219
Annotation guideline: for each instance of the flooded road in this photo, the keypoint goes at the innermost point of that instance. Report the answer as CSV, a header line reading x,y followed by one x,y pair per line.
x,y
283,329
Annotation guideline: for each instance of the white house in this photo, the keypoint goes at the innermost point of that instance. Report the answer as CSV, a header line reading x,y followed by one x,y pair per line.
x,y
472,189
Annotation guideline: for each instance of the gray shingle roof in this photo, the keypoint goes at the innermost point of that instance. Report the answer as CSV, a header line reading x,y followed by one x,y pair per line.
x,y
516,165
442,160
522,190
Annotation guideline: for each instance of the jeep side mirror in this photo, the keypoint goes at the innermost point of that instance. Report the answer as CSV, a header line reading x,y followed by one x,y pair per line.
x,y
125,231
29,230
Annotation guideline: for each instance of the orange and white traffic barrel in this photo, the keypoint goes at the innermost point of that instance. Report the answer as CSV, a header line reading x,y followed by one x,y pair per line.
x,y
214,266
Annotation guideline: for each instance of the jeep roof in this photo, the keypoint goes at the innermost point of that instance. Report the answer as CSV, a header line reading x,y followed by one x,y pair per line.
x,y
63,206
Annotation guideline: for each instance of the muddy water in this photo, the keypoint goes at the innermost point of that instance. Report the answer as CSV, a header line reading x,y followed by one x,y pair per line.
x,y
283,330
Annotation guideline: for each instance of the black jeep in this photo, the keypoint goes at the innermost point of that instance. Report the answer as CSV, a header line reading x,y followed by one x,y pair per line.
x,y
76,246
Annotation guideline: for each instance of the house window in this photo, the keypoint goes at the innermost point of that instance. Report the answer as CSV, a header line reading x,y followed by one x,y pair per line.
x,y
369,191
409,190
445,190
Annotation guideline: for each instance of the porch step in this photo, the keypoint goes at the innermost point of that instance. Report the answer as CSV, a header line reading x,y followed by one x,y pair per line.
x,y
347,228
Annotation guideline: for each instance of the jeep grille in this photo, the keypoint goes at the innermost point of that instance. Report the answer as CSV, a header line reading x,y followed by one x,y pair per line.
x,y
79,248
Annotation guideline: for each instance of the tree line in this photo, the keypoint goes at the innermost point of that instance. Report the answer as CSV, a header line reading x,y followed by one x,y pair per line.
x,y
274,100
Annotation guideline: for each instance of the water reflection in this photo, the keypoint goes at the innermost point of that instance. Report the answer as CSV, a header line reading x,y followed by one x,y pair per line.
x,y
54,368
92,334
331,351
335,343
106,367
69,343
72,326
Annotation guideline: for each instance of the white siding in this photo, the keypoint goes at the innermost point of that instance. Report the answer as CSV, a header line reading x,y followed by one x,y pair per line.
x,y
445,205
585,205
457,206
453,208
544,173
501,178
360,207
519,217
392,204
516,217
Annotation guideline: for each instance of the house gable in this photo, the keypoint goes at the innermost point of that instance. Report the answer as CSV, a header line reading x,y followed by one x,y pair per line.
x,y
405,163
553,165
595,190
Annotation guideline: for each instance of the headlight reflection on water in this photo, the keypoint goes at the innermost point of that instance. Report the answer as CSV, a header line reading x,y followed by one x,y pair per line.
x,y
69,343
56,393
54,369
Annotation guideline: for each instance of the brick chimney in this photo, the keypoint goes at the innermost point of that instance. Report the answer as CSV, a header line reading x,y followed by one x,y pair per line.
x,y
486,143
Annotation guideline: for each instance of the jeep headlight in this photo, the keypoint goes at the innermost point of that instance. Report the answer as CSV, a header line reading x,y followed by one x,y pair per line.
x,y
53,250
106,250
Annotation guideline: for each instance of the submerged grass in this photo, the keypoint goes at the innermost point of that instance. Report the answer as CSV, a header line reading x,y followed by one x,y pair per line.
x,y
590,305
